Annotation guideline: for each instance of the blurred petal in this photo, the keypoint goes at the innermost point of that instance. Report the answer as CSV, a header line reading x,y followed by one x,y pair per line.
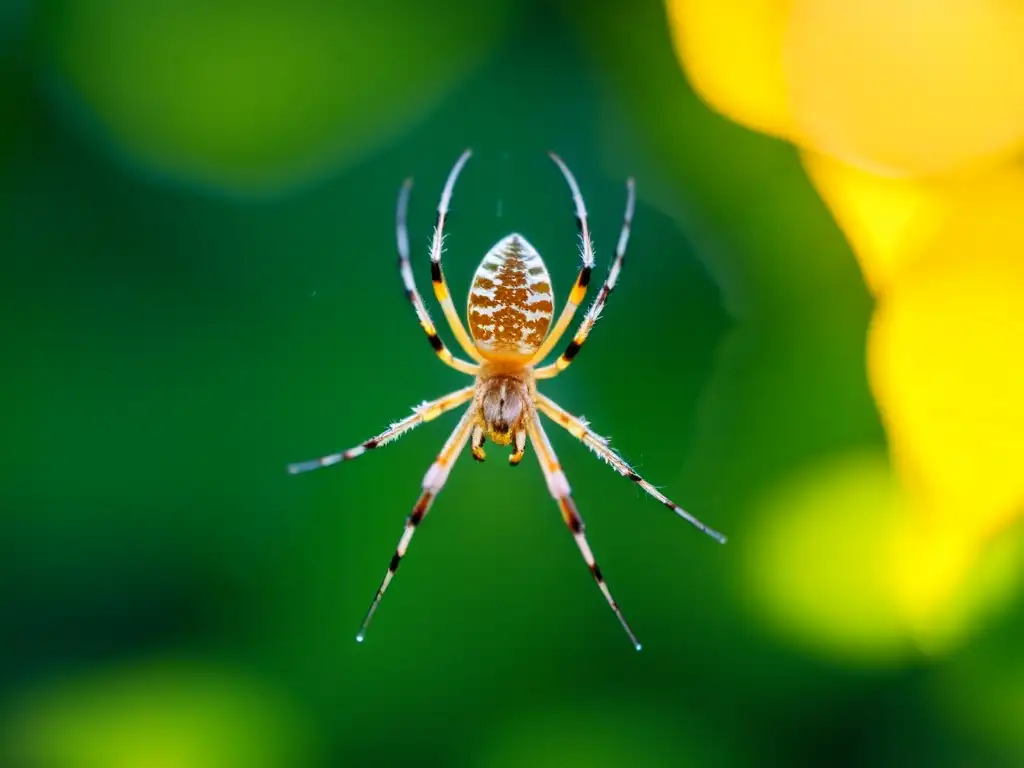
x,y
836,521
883,583
906,86
946,363
946,583
887,219
732,53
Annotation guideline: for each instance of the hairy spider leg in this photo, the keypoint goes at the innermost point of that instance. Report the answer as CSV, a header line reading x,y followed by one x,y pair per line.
x,y
405,270
422,413
437,274
579,288
433,482
594,312
579,429
558,485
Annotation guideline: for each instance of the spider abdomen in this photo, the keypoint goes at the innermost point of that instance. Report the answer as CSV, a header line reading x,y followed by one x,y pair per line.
x,y
510,301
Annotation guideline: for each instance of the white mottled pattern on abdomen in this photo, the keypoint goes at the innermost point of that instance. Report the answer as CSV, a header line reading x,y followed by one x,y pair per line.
x,y
510,302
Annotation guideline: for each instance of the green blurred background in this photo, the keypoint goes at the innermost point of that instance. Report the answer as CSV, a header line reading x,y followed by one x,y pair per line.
x,y
196,226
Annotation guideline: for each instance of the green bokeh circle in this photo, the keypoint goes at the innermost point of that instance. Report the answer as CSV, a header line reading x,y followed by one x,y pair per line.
x,y
254,95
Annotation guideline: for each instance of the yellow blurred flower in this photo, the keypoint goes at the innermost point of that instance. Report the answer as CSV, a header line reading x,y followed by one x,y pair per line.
x,y
909,116
908,87
730,50
946,363
836,560
887,220
903,86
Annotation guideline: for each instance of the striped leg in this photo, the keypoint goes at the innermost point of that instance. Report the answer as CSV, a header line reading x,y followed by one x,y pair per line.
x,y
559,488
579,288
424,412
405,269
437,275
578,428
595,309
433,482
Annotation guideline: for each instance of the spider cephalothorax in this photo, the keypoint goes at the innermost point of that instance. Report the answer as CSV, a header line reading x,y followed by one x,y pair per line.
x,y
510,310
503,409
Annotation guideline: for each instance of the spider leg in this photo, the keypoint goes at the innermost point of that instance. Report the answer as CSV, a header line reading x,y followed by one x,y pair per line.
x,y
436,273
476,443
594,312
579,288
405,270
559,488
421,413
433,482
599,445
520,448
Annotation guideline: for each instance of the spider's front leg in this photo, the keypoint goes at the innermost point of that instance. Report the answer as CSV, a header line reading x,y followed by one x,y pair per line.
x,y
476,443
599,445
422,413
433,482
517,454
558,485
479,437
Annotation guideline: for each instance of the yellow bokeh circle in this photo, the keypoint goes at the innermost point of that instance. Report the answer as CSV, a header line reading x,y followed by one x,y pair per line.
x,y
946,364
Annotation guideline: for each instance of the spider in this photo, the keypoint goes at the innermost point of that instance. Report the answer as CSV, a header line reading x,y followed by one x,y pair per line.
x,y
510,309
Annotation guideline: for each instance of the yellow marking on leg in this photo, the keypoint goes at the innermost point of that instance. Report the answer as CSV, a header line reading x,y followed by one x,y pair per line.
x,y
579,292
437,408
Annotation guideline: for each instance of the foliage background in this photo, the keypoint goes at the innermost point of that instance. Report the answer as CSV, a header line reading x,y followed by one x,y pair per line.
x,y
196,215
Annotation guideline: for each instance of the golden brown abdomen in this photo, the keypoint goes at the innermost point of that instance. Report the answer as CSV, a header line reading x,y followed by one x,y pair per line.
x,y
510,301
